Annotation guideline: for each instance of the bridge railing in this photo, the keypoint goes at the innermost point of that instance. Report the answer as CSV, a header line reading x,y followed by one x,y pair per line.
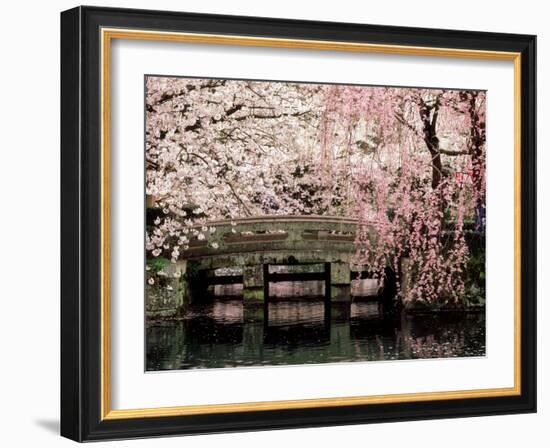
x,y
274,232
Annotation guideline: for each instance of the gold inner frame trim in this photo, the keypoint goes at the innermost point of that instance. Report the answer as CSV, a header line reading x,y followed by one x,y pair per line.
x,y
107,35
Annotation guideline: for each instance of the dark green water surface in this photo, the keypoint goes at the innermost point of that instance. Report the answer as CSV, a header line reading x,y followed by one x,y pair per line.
x,y
302,332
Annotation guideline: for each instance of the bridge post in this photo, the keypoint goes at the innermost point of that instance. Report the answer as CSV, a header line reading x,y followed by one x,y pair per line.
x,y
253,284
172,299
340,282
253,293
184,293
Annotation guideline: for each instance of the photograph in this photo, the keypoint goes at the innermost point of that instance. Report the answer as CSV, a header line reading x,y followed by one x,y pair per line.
x,y
292,223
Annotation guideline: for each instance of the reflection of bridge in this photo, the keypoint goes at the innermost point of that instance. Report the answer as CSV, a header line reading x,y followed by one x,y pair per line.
x,y
221,337
308,247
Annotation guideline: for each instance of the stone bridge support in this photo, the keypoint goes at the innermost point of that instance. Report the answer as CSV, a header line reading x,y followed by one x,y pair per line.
x,y
173,297
340,282
253,284
254,305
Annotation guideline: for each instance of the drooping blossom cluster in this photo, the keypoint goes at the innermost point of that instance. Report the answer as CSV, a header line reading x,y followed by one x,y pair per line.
x,y
413,197
405,220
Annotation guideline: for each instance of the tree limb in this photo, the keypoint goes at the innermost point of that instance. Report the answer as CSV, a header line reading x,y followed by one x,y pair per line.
x,y
453,153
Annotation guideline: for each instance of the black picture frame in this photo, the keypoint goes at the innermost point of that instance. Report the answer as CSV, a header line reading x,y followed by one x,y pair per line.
x,y
81,381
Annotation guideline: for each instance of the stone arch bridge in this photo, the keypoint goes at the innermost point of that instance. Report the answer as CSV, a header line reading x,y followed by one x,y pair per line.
x,y
256,244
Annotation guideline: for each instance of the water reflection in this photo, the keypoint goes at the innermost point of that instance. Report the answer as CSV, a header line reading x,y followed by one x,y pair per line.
x,y
303,332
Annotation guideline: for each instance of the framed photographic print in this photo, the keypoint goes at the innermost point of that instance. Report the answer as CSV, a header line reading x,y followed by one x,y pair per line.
x,y
272,223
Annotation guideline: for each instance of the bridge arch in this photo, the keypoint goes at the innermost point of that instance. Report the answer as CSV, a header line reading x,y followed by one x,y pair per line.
x,y
255,243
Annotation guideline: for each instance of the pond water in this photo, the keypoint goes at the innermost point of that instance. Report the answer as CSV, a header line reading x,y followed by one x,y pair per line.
x,y
218,335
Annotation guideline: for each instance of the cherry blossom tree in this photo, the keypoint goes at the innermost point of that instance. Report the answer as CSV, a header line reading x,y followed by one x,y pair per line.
x,y
410,202
222,149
